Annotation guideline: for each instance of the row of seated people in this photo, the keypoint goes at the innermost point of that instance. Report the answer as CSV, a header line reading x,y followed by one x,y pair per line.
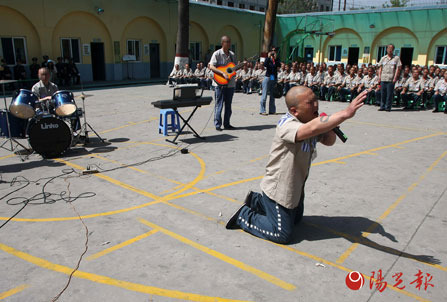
x,y
247,79
417,87
422,88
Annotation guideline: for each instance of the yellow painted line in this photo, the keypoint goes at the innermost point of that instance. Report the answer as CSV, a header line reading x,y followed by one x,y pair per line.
x,y
259,158
179,184
13,291
340,162
146,289
158,199
353,246
392,126
322,260
373,245
111,180
7,156
398,147
335,160
379,148
121,245
128,125
371,153
220,256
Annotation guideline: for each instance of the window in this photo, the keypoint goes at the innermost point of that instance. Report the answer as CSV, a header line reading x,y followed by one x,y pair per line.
x,y
261,9
327,8
321,7
230,4
441,55
13,49
252,7
196,50
335,53
133,48
381,52
70,49
241,5
219,2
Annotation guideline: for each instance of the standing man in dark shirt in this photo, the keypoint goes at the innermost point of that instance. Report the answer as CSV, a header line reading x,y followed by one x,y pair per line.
x,y
34,68
271,64
19,73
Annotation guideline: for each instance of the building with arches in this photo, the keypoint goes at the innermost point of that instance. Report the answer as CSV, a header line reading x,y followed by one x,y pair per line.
x,y
116,40
418,33
119,40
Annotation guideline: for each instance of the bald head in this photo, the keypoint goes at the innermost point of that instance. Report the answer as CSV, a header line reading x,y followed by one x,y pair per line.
x,y
302,103
295,95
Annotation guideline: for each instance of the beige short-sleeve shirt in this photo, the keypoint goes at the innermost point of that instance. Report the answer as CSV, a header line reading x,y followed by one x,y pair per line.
x,y
289,162
389,66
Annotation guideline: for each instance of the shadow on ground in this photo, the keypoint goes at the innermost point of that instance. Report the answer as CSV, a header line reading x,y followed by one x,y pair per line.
x,y
313,228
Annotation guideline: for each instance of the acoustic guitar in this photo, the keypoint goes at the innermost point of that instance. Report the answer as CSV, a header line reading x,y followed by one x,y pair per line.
x,y
230,69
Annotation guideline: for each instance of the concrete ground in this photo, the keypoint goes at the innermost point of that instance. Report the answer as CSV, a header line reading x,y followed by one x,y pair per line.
x,y
155,217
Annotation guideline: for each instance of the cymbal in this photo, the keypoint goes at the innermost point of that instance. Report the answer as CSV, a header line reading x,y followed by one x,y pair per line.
x,y
79,97
7,81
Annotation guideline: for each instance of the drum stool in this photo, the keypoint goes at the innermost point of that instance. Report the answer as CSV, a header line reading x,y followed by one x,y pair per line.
x,y
164,126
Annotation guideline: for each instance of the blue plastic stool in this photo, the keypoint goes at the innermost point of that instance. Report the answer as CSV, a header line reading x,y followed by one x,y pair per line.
x,y
164,126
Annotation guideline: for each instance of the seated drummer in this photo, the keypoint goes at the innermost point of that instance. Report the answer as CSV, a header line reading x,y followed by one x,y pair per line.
x,y
44,89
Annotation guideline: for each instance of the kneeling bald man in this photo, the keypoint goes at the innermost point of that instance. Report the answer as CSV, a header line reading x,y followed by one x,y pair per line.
x,y
273,213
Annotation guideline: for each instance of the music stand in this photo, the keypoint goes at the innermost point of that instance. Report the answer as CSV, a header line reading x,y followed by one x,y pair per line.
x,y
10,139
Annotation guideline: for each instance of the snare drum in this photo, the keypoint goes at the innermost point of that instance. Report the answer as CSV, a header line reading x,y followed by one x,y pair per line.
x,y
49,136
64,103
16,125
22,105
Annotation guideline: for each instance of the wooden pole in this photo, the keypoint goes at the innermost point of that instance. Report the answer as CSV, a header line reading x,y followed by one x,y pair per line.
x,y
269,26
182,49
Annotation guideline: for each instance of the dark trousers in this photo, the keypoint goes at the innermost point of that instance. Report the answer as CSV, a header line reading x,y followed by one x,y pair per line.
x,y
346,91
327,92
246,84
266,219
410,99
223,97
438,99
386,91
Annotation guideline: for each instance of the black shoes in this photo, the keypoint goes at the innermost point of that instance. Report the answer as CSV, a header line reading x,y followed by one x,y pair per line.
x,y
247,200
381,109
218,129
229,127
232,222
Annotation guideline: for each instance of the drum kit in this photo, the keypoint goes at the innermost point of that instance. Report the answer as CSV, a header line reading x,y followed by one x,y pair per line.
x,y
51,126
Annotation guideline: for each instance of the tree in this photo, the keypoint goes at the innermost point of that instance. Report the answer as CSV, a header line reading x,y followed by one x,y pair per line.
x,y
297,6
181,48
396,3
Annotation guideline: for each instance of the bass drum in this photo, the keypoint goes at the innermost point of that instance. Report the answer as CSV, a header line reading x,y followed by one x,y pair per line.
x,y
49,136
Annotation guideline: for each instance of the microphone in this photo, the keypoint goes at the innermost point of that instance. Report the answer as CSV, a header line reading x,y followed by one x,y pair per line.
x,y
337,131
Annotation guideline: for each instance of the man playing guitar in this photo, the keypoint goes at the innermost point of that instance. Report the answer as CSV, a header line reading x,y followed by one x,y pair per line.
x,y
223,94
